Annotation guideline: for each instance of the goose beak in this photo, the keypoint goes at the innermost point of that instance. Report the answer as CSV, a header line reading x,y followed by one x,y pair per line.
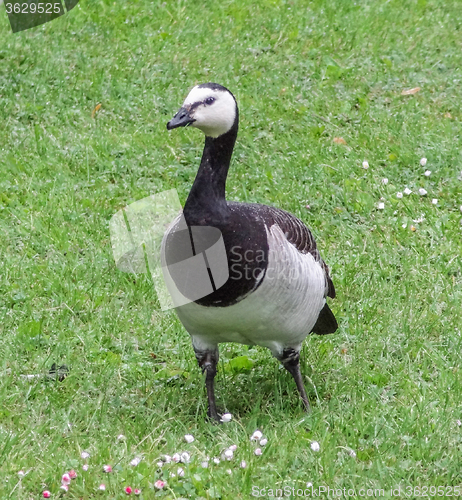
x,y
181,119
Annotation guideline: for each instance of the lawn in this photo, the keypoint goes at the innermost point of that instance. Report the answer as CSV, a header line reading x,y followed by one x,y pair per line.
x,y
320,88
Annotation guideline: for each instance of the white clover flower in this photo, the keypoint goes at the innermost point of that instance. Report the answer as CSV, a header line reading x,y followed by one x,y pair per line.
x,y
423,161
407,191
167,459
256,435
385,181
205,464
229,471
263,442
176,457
422,192
365,165
381,205
243,464
216,460
64,487
180,472
233,447
435,201
189,438
135,461
459,423
228,454
160,464
427,173
351,452
315,446
185,457
85,467
121,437
102,487
85,455
227,417
399,195
404,226
258,452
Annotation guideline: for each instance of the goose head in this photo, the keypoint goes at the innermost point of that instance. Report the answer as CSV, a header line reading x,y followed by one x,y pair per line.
x,y
209,107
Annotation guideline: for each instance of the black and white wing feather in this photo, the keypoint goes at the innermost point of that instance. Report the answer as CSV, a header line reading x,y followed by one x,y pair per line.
x,y
300,236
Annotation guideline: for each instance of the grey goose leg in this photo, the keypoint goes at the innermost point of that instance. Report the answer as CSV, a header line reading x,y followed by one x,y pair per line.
x,y
291,361
208,361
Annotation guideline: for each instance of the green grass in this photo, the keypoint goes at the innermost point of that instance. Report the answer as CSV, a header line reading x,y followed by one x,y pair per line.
x,y
388,384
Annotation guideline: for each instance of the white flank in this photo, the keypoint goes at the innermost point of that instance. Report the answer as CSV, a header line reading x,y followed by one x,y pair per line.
x,y
280,313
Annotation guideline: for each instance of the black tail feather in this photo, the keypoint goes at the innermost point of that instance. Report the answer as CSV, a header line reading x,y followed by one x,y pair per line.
x,y
326,322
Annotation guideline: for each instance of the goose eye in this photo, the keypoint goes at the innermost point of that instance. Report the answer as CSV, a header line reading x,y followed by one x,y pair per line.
x,y
210,100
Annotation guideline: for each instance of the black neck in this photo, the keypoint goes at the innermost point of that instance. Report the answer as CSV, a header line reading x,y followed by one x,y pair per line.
x,y
207,196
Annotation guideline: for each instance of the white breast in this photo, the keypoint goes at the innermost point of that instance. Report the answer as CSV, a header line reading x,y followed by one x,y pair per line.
x,y
280,313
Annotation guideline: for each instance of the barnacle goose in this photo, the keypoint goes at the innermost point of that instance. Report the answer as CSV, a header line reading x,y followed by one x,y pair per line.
x,y
275,293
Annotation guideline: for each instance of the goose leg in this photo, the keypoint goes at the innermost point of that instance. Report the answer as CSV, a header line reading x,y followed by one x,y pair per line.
x,y
208,361
291,361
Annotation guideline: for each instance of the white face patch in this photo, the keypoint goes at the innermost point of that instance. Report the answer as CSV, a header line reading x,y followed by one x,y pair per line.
x,y
213,119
